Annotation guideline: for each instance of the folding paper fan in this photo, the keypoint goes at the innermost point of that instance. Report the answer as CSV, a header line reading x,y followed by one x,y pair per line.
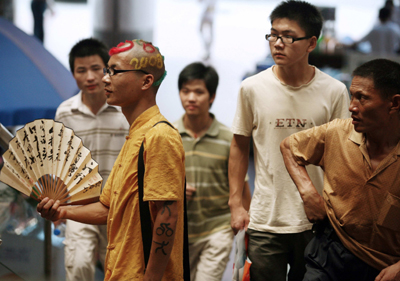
x,y
46,159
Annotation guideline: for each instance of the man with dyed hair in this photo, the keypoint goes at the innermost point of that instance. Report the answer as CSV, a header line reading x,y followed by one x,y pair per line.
x,y
132,78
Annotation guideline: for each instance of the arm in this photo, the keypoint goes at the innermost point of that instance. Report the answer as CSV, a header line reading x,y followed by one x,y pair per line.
x,y
163,239
95,213
390,273
164,180
313,202
246,196
238,164
354,45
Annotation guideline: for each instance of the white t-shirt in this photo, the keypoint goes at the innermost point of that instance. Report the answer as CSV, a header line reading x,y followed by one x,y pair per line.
x,y
269,111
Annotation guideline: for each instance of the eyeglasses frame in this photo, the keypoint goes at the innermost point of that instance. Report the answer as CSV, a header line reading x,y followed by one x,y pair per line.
x,y
106,70
280,37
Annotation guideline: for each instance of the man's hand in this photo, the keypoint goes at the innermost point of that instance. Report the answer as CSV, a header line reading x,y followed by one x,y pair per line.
x,y
390,273
239,194
239,218
189,192
50,210
314,207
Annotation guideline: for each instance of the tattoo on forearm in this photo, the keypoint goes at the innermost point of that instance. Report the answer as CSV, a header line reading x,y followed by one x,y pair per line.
x,y
162,245
166,206
164,228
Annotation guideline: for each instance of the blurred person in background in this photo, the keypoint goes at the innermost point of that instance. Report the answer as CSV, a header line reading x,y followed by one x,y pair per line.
x,y
38,8
384,37
207,143
395,11
102,128
207,26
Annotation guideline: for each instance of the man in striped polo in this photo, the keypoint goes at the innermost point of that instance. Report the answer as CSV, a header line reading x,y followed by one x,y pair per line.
x,y
102,128
207,143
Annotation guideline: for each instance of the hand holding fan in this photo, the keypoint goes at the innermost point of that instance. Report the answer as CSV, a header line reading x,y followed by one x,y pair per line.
x,y
46,159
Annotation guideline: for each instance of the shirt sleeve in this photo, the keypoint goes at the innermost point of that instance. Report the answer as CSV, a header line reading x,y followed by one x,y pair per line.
x,y
57,116
243,120
308,146
341,105
164,161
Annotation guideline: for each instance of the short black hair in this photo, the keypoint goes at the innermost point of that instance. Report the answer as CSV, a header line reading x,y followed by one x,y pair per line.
x,y
88,47
385,75
198,70
384,14
389,4
307,16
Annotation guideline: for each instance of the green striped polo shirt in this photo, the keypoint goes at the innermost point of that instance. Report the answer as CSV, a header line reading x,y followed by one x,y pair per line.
x,y
206,162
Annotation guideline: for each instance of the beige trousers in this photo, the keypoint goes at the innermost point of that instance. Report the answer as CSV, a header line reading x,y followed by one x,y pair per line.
x,y
84,245
209,256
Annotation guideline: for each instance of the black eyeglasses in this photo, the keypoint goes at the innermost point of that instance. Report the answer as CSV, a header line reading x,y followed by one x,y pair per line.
x,y
285,39
112,71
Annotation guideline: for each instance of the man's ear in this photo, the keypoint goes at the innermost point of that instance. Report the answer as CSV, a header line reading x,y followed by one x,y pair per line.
x,y
313,44
212,98
395,104
148,81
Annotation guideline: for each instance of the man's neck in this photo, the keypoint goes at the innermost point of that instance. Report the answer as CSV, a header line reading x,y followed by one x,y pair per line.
x,y
197,126
295,76
133,111
94,102
381,143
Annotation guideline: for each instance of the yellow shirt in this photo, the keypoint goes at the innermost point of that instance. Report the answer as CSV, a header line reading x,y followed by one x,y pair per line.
x,y
362,204
163,181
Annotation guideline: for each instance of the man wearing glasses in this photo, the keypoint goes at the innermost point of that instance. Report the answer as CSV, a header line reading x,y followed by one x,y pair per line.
x,y
289,97
134,74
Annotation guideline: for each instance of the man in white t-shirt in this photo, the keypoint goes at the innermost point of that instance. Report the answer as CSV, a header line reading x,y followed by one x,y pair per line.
x,y
288,97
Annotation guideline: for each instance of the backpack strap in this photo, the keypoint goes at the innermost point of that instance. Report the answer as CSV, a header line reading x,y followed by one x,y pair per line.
x,y
145,218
